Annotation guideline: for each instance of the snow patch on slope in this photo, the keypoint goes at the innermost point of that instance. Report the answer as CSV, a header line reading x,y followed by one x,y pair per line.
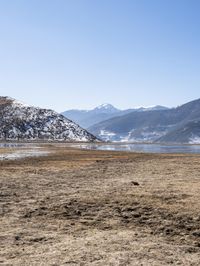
x,y
194,140
23,122
106,135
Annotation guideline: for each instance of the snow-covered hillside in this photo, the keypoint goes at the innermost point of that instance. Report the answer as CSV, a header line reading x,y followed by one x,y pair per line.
x,y
19,121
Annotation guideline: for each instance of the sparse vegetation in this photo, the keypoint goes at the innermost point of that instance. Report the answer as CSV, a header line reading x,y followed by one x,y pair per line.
x,y
78,207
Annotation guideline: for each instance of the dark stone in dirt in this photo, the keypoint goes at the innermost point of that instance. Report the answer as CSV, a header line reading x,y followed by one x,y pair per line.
x,y
135,183
17,238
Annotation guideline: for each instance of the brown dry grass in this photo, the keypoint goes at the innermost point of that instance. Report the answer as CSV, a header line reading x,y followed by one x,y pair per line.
x,y
78,207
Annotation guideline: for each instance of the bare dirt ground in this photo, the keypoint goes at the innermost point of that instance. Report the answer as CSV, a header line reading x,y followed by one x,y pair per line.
x,y
76,207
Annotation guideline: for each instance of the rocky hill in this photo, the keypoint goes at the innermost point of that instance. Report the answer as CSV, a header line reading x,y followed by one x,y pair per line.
x,y
22,122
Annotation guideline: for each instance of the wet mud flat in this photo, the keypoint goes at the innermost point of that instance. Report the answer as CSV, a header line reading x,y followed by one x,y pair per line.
x,y
82,207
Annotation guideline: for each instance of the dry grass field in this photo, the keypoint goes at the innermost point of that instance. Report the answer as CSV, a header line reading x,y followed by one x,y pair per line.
x,y
76,207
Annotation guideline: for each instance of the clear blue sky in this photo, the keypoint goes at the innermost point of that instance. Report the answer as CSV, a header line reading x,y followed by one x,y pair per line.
x,y
67,54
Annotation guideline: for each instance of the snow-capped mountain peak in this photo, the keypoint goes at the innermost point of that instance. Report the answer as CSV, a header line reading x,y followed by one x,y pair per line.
x,y
106,107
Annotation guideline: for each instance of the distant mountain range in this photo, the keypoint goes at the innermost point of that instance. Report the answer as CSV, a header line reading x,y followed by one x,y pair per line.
x,y
22,122
156,124
176,125
87,118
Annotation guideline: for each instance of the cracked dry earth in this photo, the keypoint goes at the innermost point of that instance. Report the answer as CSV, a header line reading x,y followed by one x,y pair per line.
x,y
76,207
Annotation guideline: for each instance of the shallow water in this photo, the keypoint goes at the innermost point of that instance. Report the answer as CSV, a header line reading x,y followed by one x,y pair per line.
x,y
21,154
12,145
148,148
20,150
